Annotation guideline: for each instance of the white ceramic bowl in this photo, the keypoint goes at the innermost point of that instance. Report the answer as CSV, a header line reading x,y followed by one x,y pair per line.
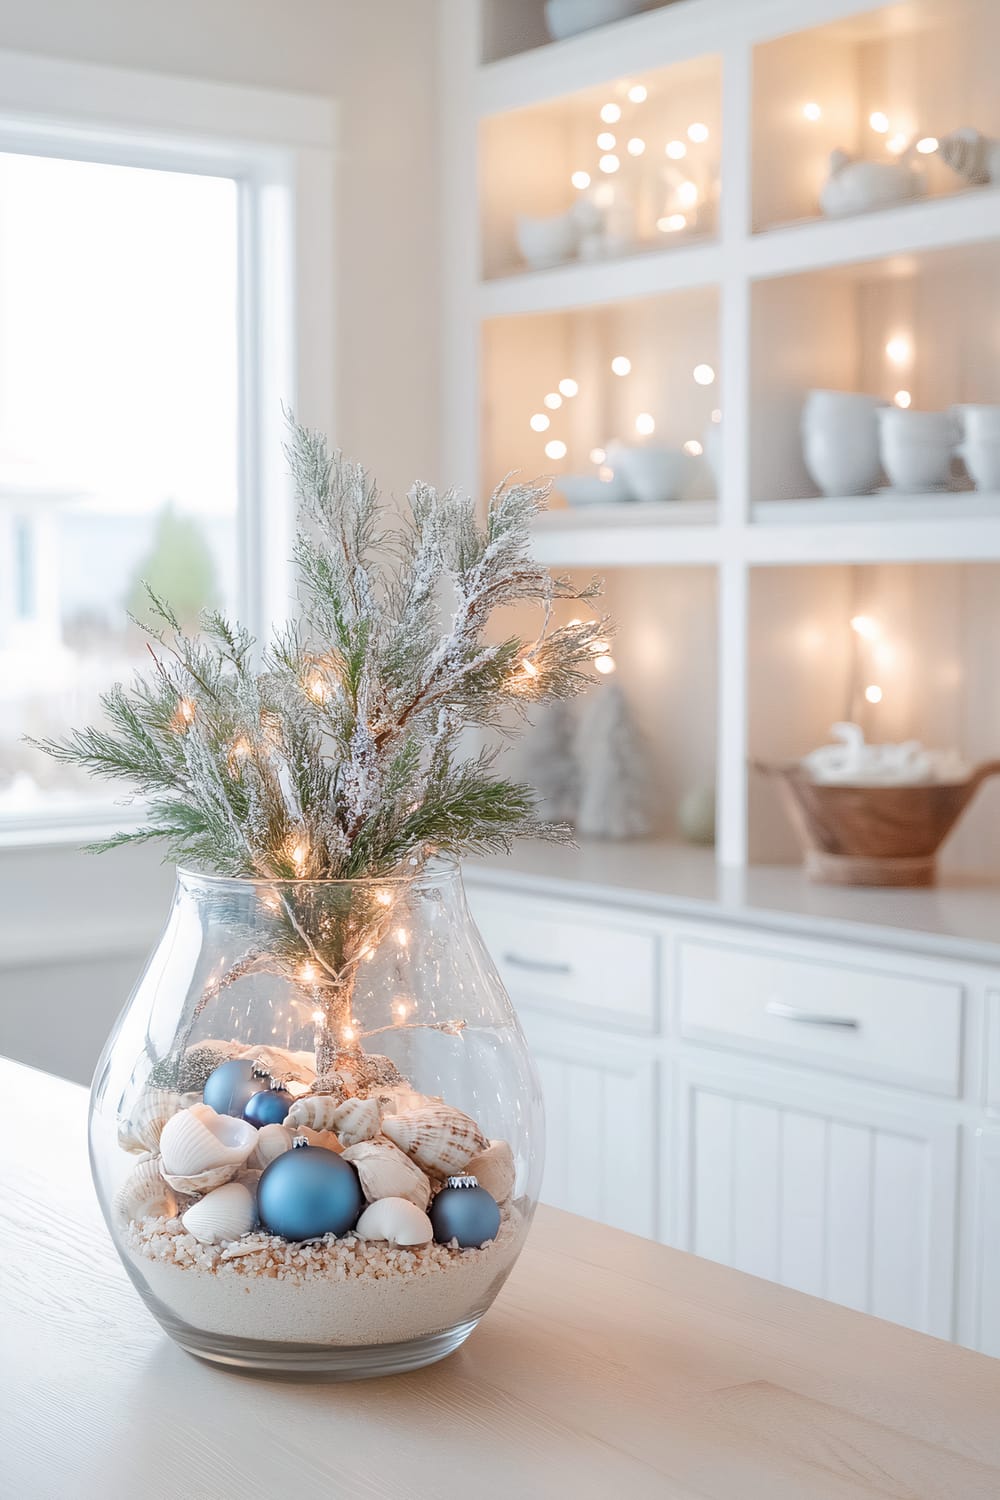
x,y
591,489
568,17
652,473
547,242
915,466
912,427
978,422
838,407
842,463
982,459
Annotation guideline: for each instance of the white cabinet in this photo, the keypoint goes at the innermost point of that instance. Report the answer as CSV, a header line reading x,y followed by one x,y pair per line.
x,y
601,1125
980,1289
827,1190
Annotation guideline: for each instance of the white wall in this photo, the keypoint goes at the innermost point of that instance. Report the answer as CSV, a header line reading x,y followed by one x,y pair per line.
x,y
74,928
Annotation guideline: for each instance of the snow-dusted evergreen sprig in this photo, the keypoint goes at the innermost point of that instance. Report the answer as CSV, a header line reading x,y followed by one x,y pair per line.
x,y
338,757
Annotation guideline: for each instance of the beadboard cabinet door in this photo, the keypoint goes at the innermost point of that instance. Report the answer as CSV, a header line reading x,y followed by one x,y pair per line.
x,y
602,1134
826,1190
980,1283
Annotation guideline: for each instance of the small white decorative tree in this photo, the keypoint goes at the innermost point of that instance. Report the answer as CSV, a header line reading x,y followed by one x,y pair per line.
x,y
550,764
615,800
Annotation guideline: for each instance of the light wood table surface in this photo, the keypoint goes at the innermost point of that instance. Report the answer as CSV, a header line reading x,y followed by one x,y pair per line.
x,y
609,1367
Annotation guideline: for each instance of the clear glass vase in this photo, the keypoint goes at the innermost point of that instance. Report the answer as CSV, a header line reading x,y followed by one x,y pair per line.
x,y
316,1132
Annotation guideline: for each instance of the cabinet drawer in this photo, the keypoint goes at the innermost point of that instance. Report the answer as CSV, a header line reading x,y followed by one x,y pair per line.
x,y
903,1028
564,960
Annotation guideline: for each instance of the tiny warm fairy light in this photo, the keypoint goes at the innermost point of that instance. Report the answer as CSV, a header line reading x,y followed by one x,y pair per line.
x,y
670,223
866,627
676,150
645,423
597,455
186,710
569,388
812,111
318,1017
611,113
528,668
899,349
348,1035
316,688
638,93
238,751
600,647
897,144
879,122
555,449
308,973
402,937
605,473
606,141
384,898
927,145
697,133
299,856
902,399
703,374
636,146
580,180
400,1010
539,422
693,447
873,693
687,194
553,401
605,665
609,163
621,365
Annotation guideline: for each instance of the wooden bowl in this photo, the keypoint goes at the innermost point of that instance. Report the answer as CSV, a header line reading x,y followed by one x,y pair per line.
x,y
873,835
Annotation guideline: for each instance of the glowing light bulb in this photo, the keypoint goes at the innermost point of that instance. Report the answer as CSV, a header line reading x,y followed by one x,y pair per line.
x,y
605,473
878,121
553,401
539,422
299,856
671,223
609,163
597,455
606,141
899,350
528,668
676,150
902,399
605,665
636,146
693,447
697,133
638,93
400,1010
348,1034
184,714
580,180
402,936
555,449
384,898
599,646
316,688
812,111
308,973
866,627
873,693
620,365
645,423
703,374
611,113
687,194
318,1017
568,387
927,145
896,144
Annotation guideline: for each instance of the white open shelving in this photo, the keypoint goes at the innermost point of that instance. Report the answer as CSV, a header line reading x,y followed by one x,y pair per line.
x,y
812,277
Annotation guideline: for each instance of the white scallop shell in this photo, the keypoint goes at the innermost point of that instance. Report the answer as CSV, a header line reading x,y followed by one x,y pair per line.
x,y
144,1194
438,1137
386,1173
154,1107
494,1170
356,1120
318,1111
226,1214
197,1140
272,1141
397,1220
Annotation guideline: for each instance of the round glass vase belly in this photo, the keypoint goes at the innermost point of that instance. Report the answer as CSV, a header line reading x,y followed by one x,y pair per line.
x,y
316,1132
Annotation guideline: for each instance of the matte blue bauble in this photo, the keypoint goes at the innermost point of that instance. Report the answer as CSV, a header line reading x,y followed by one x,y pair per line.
x,y
307,1192
229,1087
269,1107
465,1212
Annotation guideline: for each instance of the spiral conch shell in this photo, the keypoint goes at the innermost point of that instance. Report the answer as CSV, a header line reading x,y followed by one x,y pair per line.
x,y
272,1141
386,1173
318,1111
154,1107
438,1138
397,1220
201,1150
494,1169
144,1194
228,1213
356,1120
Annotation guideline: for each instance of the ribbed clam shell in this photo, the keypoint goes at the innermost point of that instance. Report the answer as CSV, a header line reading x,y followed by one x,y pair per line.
x,y
272,1140
397,1220
144,1194
197,1183
495,1170
318,1111
356,1120
438,1137
386,1173
228,1213
197,1139
151,1111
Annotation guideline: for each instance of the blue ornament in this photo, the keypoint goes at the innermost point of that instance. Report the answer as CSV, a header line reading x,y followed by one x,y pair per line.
x,y
308,1192
465,1212
269,1107
230,1086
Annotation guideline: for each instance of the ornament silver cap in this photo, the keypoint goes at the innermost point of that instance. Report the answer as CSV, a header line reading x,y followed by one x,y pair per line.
x,y
461,1182
299,1140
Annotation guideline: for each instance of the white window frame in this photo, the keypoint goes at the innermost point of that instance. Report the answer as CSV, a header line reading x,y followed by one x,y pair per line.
x,y
280,149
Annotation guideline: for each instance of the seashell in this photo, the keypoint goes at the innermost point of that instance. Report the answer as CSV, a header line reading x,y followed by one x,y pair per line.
x,y
386,1172
226,1214
141,1131
494,1169
356,1120
397,1220
278,1062
144,1194
325,1138
969,153
318,1111
271,1141
332,1086
197,1140
400,1098
439,1138
854,187
249,1178
197,1183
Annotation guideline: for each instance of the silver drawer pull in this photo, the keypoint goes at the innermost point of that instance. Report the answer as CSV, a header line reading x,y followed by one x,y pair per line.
x,y
538,965
809,1017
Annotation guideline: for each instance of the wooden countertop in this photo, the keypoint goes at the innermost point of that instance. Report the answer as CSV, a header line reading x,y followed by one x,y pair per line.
x,y
610,1368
